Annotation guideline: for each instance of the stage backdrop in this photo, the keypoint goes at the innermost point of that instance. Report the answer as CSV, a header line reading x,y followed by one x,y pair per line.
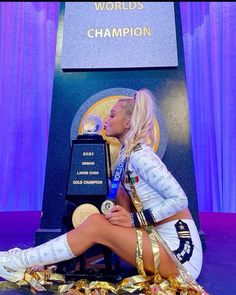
x,y
77,84
27,50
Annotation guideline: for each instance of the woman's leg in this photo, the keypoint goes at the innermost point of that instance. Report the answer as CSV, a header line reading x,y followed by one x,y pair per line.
x,y
95,229
13,263
121,240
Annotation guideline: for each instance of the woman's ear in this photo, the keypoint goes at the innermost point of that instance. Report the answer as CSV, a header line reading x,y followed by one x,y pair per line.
x,y
128,123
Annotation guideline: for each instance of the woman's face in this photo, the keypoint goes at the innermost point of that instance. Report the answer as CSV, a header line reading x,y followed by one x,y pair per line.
x,y
117,123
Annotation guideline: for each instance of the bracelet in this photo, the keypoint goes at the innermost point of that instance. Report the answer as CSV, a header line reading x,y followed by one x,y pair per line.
x,y
132,220
149,218
137,222
142,218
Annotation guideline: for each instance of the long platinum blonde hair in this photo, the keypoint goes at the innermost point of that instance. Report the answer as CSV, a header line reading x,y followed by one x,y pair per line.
x,y
141,109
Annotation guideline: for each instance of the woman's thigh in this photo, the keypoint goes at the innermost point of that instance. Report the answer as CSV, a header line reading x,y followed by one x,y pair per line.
x,y
123,241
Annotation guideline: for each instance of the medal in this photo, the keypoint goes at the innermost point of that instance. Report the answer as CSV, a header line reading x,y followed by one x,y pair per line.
x,y
107,206
82,212
118,171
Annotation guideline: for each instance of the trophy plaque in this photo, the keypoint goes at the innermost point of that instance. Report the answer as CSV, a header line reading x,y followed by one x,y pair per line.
x,y
89,168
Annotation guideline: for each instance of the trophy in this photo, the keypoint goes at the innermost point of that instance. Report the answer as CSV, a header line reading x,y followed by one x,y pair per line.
x,y
92,125
89,169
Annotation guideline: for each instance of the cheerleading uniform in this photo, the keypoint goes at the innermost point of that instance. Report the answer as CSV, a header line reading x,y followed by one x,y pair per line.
x,y
161,197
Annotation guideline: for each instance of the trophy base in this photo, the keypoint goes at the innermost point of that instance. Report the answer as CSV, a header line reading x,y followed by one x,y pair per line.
x,y
86,136
110,271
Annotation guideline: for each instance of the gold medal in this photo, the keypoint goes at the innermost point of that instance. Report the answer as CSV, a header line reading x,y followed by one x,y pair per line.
x,y
107,206
82,212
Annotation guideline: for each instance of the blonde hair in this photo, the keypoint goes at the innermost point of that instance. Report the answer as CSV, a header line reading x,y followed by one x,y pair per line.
x,y
141,109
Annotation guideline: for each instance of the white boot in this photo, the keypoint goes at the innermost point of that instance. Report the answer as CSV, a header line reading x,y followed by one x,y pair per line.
x,y
9,251
13,263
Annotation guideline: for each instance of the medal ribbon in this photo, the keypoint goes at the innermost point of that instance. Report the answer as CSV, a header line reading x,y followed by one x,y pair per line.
x,y
116,178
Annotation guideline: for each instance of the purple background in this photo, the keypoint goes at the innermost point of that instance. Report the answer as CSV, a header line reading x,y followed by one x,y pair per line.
x,y
27,58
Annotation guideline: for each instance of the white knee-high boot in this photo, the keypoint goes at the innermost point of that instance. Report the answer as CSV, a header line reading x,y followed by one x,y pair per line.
x,y
13,263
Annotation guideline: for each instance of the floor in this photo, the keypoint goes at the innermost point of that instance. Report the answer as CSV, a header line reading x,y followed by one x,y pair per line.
x,y
17,229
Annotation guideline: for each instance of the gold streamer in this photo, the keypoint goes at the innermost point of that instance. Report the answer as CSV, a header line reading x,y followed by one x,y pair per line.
x,y
142,217
8,285
150,285
183,272
155,249
134,197
65,288
131,284
103,285
139,252
33,282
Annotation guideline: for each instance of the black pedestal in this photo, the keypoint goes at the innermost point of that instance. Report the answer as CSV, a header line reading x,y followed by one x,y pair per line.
x,y
89,169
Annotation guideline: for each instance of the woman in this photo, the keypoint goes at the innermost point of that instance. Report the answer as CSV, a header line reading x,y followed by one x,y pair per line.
x,y
159,236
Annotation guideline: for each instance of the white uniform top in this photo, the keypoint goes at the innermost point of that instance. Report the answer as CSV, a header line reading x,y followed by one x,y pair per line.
x,y
156,187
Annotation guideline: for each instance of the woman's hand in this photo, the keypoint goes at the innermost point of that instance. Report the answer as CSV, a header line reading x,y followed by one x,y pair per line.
x,y
119,216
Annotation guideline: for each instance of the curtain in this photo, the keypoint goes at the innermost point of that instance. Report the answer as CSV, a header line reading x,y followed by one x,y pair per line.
x,y
209,36
27,58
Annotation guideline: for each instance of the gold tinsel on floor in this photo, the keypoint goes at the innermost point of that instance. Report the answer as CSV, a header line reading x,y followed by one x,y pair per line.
x,y
48,280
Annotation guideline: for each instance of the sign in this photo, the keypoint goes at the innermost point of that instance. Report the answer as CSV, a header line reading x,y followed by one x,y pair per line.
x,y
100,35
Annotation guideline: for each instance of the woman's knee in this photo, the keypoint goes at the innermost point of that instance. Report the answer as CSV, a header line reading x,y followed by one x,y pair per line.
x,y
94,224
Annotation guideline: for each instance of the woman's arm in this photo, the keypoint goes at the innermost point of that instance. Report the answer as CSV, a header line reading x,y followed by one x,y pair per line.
x,y
153,171
123,198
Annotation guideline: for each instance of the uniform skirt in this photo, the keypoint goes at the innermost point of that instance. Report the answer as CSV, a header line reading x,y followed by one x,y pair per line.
x,y
183,239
